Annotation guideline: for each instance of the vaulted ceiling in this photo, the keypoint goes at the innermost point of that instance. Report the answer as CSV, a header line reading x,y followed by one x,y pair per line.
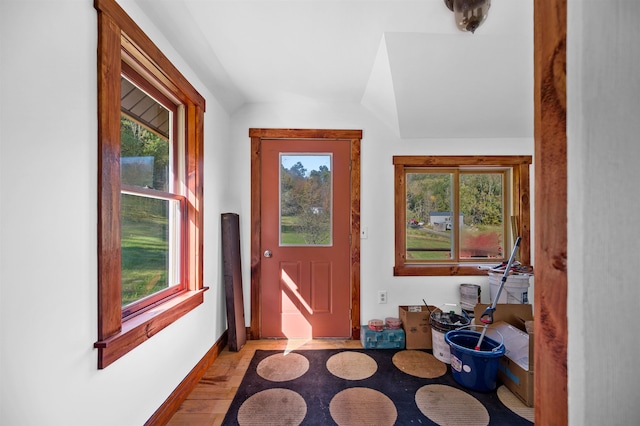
x,y
404,60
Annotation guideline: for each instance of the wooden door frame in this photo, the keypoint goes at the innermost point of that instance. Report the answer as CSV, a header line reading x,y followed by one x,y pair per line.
x,y
257,136
550,161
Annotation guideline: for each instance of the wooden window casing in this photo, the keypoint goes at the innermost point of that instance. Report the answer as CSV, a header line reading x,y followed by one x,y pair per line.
x,y
120,41
519,196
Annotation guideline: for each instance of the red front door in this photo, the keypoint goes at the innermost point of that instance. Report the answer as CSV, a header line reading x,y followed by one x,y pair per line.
x,y
305,238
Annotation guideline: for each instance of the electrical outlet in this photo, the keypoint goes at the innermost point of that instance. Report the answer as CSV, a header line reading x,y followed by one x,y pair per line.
x,y
364,233
382,297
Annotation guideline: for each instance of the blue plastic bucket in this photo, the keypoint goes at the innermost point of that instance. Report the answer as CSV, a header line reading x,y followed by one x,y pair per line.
x,y
474,369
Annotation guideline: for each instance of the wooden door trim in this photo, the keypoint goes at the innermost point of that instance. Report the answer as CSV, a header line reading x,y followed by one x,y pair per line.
x,y
257,135
550,159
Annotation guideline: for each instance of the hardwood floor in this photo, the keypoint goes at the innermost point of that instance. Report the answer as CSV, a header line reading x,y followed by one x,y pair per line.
x,y
208,403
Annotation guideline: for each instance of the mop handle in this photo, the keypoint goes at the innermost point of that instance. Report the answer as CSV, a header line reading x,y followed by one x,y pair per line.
x,y
489,311
484,331
506,273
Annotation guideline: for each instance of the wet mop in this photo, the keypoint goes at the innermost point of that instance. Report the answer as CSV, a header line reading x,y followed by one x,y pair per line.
x,y
487,316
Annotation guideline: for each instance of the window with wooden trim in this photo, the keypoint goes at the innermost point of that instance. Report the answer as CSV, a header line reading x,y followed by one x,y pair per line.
x,y
456,215
150,211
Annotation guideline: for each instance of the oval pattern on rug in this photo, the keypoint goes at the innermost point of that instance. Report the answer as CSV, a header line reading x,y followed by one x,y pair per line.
x,y
273,407
362,406
514,404
446,405
419,364
283,367
352,365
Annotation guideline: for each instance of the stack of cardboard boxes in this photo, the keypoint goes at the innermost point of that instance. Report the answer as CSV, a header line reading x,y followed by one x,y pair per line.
x,y
514,322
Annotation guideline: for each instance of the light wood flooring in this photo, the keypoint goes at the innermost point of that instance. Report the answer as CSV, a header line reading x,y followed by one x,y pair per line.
x,y
208,403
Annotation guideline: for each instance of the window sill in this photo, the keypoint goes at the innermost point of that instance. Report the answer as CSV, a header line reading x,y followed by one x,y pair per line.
x,y
441,270
142,327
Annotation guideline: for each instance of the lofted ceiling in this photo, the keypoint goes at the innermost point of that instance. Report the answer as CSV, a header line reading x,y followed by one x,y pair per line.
x,y
404,60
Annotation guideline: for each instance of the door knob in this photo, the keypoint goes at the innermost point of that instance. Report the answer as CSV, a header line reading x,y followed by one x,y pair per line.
x,y
267,253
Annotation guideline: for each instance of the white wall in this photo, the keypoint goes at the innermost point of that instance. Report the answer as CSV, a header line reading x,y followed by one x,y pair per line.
x,y
603,59
379,145
48,236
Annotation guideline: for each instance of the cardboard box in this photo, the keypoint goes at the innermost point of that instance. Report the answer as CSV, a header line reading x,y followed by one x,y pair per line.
x,y
415,323
514,322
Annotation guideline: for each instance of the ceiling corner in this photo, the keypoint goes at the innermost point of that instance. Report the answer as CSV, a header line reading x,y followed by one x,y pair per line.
x,y
379,96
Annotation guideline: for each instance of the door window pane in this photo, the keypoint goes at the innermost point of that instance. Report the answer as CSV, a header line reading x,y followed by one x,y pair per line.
x,y
429,216
305,199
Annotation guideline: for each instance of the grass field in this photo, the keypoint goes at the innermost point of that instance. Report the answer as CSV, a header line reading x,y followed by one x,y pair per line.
x,y
289,231
424,238
437,244
291,234
144,257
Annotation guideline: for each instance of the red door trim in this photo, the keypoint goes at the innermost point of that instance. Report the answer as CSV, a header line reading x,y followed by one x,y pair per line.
x,y
257,135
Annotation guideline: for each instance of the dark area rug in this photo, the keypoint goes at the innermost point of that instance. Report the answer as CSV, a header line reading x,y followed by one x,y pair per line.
x,y
361,387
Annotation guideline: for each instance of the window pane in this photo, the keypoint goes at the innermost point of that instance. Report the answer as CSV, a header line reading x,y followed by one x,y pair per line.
x,y
305,199
482,209
150,225
429,220
144,148
149,249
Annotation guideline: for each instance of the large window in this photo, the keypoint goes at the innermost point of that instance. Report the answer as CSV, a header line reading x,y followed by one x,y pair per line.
x,y
150,188
454,214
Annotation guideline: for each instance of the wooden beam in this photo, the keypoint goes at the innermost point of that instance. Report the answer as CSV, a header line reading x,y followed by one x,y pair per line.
x,y
550,160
